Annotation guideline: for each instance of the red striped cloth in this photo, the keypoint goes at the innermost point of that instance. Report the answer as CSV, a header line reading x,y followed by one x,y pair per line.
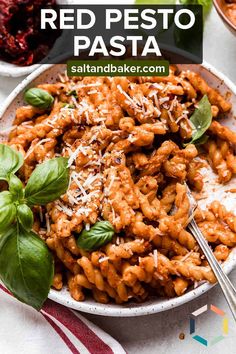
x,y
77,334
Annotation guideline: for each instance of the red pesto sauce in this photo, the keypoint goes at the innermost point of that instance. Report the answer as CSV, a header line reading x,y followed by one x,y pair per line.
x,y
21,40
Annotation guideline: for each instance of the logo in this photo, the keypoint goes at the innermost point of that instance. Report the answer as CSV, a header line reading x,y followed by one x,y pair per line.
x,y
224,325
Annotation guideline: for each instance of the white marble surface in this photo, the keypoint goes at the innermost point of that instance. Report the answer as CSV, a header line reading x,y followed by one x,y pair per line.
x,y
160,333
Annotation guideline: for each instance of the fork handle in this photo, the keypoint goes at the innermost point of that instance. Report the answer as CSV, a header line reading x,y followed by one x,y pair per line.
x,y
226,285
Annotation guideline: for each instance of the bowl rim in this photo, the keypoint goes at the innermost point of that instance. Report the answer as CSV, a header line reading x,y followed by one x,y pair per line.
x,y
125,310
222,14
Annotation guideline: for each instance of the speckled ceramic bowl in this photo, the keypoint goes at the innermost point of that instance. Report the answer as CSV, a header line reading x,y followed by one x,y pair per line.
x,y
48,73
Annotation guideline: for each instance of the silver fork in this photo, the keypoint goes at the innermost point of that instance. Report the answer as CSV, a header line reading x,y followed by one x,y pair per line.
x,y
225,284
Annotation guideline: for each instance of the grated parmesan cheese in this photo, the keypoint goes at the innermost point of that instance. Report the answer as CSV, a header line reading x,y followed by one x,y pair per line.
x,y
60,206
31,149
107,190
103,259
155,258
163,100
72,199
83,210
96,84
48,223
170,116
87,226
186,256
61,78
126,95
74,155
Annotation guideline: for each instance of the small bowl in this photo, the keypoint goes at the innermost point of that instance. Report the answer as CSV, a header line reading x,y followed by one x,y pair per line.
x,y
11,70
220,8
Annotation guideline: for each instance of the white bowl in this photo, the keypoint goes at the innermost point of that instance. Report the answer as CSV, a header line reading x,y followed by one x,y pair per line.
x,y
48,73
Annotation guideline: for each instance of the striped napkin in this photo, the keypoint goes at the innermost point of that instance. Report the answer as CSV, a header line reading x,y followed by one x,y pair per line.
x,y
54,330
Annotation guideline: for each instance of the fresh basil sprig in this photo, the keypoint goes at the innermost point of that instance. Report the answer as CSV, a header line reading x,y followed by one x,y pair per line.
x,y
201,119
38,98
100,234
10,161
26,265
48,181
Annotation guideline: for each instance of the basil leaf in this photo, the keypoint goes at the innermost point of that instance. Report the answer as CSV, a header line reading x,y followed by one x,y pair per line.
x,y
201,119
7,210
48,181
202,140
10,161
100,234
38,98
16,187
25,216
26,266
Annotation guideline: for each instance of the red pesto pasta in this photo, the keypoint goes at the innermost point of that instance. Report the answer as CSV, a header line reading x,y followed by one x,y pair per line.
x,y
124,139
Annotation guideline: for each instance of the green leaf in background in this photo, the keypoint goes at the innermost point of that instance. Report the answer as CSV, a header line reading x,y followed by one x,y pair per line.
x,y
100,234
26,266
191,39
16,187
206,4
183,39
7,210
48,181
25,216
38,98
201,119
10,161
